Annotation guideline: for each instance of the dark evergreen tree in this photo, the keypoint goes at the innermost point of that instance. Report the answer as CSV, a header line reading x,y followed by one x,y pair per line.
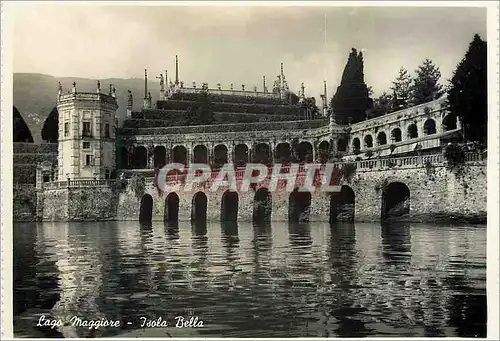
x,y
426,85
21,132
351,101
468,95
50,130
402,90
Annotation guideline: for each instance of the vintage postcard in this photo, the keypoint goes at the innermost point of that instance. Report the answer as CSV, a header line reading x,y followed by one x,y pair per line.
x,y
249,170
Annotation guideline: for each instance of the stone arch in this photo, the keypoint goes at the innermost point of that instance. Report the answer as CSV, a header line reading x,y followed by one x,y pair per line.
x,y
283,152
124,158
262,153
179,154
342,144
449,122
140,160
381,138
324,151
396,135
262,205
395,200
429,127
305,151
146,209
412,131
160,156
171,210
199,207
200,154
21,132
342,205
368,140
50,130
356,143
220,154
229,206
241,154
299,205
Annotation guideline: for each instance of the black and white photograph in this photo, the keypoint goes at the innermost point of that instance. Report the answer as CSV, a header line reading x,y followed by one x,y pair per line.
x,y
250,170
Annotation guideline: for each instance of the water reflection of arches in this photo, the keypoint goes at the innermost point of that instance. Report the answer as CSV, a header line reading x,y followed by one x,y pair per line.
x,y
21,132
299,234
395,201
342,258
200,154
199,207
171,213
140,160
199,228
283,152
396,243
160,156
262,205
179,154
146,210
299,205
304,152
342,205
241,154
229,206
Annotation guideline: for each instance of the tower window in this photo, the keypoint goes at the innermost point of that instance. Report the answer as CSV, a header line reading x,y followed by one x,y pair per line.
x,y
66,129
86,145
107,173
88,160
86,129
106,130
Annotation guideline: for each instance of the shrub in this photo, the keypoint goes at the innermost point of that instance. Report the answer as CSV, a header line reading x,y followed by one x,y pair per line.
x,y
348,171
392,147
138,185
369,154
454,155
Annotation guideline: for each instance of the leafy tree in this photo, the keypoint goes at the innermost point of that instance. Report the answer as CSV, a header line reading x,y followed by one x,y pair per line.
x,y
351,101
426,85
383,104
21,132
50,130
200,113
402,90
310,109
468,95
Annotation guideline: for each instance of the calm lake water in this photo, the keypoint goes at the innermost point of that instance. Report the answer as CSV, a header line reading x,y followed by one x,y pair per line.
x,y
278,280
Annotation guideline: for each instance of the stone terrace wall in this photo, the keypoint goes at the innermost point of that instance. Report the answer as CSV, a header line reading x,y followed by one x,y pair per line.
x,y
435,192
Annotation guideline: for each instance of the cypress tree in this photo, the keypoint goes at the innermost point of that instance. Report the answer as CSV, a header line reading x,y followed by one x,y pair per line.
x,y
351,101
468,94
21,132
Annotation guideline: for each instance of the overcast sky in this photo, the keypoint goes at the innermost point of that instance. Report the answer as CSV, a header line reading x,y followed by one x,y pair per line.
x,y
240,44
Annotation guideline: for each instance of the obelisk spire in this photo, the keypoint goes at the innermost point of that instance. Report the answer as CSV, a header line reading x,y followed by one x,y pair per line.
x,y
145,83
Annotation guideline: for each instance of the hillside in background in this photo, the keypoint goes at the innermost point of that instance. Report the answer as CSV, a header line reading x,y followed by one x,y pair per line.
x,y
35,95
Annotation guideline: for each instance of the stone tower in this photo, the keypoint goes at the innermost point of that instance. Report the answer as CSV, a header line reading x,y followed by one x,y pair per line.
x,y
86,135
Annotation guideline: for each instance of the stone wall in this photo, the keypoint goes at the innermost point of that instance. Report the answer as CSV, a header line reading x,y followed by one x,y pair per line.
x,y
436,193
